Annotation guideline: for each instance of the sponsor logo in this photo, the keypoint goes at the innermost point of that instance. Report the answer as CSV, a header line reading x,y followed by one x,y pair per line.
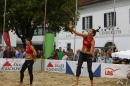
x,y
110,71
12,65
50,65
57,67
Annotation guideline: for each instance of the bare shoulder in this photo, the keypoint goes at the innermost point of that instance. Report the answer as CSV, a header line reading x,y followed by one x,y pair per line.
x,y
85,35
32,47
93,41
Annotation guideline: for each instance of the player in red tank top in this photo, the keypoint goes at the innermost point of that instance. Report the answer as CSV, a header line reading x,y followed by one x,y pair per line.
x,y
87,43
28,50
30,59
87,50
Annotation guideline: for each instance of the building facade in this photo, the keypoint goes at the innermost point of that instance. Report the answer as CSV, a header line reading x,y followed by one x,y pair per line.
x,y
102,14
37,40
94,14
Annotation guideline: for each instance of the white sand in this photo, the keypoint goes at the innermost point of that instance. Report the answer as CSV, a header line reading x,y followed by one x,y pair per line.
x,y
53,79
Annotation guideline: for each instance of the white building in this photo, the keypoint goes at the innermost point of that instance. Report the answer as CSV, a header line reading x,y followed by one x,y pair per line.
x,y
37,40
94,15
101,14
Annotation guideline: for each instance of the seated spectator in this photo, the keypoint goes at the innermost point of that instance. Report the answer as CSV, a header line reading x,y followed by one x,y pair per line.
x,y
16,50
19,54
101,59
39,54
110,52
116,60
124,61
1,52
94,59
116,50
71,51
23,52
77,55
60,54
7,53
57,50
64,56
53,56
108,59
64,50
13,51
70,56
96,52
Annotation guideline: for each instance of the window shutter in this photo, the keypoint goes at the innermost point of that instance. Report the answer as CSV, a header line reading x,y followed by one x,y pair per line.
x,y
83,23
91,22
105,20
113,18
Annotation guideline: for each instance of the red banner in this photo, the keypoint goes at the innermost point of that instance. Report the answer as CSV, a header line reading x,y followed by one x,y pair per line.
x,y
6,37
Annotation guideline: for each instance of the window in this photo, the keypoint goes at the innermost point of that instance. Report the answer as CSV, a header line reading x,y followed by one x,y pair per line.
x,y
87,22
68,46
108,19
35,32
38,31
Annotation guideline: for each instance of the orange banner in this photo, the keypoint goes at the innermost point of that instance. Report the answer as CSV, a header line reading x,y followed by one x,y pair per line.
x,y
6,37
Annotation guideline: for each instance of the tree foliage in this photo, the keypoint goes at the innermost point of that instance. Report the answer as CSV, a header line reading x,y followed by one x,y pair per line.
x,y
60,13
23,16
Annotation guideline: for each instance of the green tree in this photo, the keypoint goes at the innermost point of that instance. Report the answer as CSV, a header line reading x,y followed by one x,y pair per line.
x,y
1,16
59,13
23,16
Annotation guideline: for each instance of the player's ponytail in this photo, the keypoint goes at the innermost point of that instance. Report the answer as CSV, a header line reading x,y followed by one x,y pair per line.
x,y
94,31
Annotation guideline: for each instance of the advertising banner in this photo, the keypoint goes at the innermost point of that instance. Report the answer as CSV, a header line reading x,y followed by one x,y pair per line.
x,y
114,70
11,64
71,67
55,66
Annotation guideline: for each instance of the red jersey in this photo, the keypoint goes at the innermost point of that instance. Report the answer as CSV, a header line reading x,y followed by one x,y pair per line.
x,y
86,42
28,50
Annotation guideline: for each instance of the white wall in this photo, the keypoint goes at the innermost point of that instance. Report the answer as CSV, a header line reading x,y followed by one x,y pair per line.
x,y
13,39
121,38
63,44
96,10
37,40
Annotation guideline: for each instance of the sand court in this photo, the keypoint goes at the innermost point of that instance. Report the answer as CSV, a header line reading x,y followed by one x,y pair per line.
x,y
42,78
